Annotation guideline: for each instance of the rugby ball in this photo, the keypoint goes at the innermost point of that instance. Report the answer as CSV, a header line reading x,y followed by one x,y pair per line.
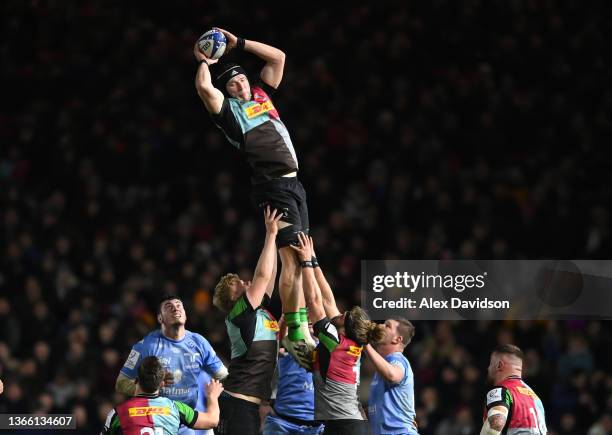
x,y
212,44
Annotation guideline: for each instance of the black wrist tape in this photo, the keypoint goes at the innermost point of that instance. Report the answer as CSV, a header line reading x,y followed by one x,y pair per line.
x,y
240,43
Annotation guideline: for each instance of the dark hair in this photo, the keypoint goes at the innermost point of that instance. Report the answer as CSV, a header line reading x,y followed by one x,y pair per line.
x,y
150,374
405,328
166,297
510,349
359,328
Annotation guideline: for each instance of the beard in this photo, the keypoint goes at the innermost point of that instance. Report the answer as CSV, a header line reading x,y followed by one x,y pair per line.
x,y
175,322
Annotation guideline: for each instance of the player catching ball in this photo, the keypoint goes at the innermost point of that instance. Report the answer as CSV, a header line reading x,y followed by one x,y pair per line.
x,y
244,111
337,358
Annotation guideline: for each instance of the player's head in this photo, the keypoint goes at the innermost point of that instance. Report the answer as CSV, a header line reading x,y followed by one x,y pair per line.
x,y
398,333
232,79
170,311
229,288
506,360
359,328
150,375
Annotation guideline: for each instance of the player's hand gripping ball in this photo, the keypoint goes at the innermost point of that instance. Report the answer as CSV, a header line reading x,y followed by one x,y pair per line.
x,y
212,44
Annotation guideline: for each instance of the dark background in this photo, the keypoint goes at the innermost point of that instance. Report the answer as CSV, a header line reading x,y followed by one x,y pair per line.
x,y
424,130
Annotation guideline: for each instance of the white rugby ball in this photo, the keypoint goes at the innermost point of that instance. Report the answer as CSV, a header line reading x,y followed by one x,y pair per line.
x,y
212,44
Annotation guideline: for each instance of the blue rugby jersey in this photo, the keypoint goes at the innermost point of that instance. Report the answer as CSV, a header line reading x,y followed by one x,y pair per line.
x,y
391,406
295,390
185,358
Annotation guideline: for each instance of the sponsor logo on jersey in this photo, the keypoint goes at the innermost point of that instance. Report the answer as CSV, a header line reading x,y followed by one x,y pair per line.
x,y
527,392
132,359
191,357
495,395
142,411
354,350
271,324
172,391
258,109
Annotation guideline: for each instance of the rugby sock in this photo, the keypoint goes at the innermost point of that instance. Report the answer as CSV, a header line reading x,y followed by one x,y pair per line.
x,y
304,315
304,327
294,332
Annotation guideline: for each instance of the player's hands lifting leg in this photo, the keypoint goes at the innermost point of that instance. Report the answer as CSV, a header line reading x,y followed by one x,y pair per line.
x,y
304,247
271,219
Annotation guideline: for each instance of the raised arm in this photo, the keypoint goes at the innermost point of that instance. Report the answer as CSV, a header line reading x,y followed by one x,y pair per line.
x,y
389,372
329,301
211,96
265,265
312,293
210,418
270,288
272,72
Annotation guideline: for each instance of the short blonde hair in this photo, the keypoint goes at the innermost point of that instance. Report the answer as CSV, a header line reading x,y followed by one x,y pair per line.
x,y
222,297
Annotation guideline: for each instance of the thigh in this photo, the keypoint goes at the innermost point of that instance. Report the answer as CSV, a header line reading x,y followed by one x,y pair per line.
x,y
278,194
303,208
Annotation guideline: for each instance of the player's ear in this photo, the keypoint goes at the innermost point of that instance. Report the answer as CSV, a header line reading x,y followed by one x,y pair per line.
x,y
159,318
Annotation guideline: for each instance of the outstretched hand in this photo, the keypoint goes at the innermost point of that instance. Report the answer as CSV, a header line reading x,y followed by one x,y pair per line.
x,y
271,218
304,247
201,56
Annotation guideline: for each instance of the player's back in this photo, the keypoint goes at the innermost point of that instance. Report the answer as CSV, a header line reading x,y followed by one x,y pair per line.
x,y
526,415
148,414
295,390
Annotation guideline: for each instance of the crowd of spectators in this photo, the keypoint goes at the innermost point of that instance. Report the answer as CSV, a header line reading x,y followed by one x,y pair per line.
x,y
425,130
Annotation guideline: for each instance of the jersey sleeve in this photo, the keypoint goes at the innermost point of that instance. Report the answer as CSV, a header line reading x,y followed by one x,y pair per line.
x,y
138,352
327,334
498,396
227,122
239,312
112,425
265,87
187,415
399,362
211,363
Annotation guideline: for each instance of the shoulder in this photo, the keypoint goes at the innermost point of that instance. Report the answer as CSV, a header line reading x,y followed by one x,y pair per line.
x,y
241,305
199,339
398,359
498,395
261,86
151,336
